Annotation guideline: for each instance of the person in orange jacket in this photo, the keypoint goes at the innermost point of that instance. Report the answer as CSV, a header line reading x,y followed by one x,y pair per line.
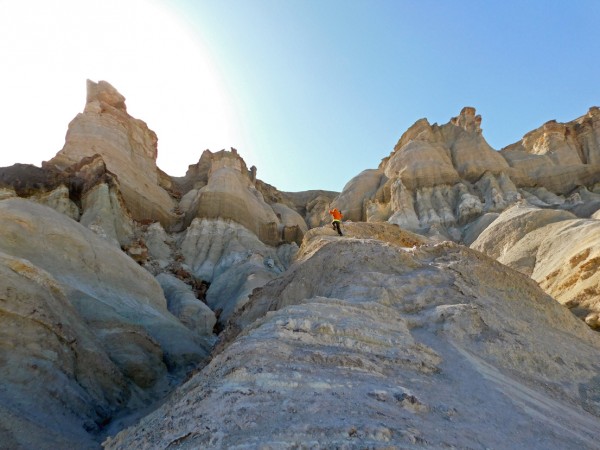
x,y
337,220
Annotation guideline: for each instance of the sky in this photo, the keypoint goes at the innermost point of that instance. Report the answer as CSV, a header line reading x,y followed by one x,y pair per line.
x,y
311,92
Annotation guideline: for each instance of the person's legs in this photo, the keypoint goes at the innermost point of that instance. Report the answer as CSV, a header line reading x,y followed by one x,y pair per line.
x,y
336,224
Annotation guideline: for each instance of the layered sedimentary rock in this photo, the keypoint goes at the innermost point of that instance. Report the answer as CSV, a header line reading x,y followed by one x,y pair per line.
x,y
232,259
366,343
556,249
128,147
229,193
86,331
560,156
380,339
441,179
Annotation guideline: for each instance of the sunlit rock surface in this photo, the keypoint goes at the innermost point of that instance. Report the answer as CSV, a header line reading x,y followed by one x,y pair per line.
x,y
116,277
556,249
128,147
439,179
368,343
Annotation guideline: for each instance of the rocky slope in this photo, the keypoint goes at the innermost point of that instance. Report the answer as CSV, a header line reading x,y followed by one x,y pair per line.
x,y
118,279
555,248
86,332
366,343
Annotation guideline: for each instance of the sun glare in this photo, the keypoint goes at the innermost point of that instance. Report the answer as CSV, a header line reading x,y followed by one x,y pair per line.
x,y
49,48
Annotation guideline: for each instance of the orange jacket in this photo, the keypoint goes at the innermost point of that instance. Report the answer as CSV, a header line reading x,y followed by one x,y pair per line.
x,y
336,214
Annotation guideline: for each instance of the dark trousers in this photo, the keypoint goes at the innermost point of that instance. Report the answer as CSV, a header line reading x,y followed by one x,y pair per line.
x,y
336,226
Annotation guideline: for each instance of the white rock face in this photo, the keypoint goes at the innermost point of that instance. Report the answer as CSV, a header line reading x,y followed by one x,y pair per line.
x,y
365,343
556,249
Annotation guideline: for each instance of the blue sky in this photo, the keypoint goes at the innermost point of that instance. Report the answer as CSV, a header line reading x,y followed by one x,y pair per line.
x,y
311,92
325,88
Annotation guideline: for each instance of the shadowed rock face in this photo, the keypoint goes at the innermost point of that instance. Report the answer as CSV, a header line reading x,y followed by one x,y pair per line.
x,y
85,330
367,343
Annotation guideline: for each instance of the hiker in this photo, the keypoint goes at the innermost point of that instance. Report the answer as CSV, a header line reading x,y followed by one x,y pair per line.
x,y
337,220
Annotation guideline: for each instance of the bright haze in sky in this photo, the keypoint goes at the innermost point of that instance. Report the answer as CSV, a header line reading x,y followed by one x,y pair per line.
x,y
311,92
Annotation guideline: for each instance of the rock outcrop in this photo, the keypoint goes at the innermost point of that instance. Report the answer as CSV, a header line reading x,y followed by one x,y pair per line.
x,y
128,147
220,186
86,330
364,343
439,180
556,249
115,279
232,260
560,156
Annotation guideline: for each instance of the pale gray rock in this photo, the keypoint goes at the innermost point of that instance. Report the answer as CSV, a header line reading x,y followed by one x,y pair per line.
x,y
311,205
422,162
367,343
440,178
364,185
557,250
471,155
401,202
475,228
231,258
112,294
292,225
559,156
104,213
57,380
512,225
160,245
184,305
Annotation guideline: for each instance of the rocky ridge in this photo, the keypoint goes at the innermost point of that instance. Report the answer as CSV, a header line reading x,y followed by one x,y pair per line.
x,y
141,271
440,180
429,346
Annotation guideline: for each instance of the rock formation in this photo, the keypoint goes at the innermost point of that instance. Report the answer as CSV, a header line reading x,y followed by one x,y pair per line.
x,y
365,343
439,180
556,249
116,280
86,330
128,147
